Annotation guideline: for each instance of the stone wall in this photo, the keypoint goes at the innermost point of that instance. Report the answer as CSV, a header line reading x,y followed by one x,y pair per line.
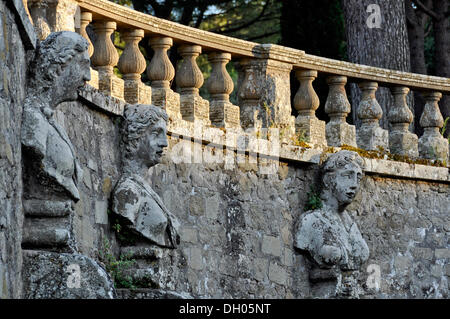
x,y
13,67
238,225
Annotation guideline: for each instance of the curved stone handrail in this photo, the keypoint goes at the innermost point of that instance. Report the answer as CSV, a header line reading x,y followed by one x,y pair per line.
x,y
126,17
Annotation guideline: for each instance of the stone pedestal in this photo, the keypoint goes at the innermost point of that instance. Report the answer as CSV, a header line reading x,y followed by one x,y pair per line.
x,y
371,137
312,129
168,100
224,114
193,107
432,145
137,92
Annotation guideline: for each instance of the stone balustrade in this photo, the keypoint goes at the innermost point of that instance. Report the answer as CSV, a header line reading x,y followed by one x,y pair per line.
x,y
264,94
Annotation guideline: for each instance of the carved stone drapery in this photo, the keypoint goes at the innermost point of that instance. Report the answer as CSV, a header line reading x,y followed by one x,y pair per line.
x,y
306,103
432,145
105,58
337,106
189,79
401,141
370,135
131,65
161,72
220,85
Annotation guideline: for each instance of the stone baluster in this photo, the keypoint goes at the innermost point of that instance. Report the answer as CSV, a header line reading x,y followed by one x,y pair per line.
x,y
252,114
131,65
370,136
337,106
401,141
306,103
85,19
432,145
220,85
189,79
161,72
104,59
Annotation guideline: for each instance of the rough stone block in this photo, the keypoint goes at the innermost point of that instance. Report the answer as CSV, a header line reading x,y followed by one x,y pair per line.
x,y
372,137
64,276
442,253
101,213
261,269
168,100
433,147
277,274
403,143
193,107
422,253
271,245
196,259
137,92
110,84
189,235
339,134
312,128
224,114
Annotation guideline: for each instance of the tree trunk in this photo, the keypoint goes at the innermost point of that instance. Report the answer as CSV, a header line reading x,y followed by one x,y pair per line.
x,y
416,21
441,30
385,47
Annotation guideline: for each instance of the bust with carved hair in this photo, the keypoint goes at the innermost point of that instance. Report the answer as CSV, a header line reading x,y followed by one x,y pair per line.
x,y
328,234
60,67
144,137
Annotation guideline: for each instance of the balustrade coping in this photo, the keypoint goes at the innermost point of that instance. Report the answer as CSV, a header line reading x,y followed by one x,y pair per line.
x,y
126,18
289,153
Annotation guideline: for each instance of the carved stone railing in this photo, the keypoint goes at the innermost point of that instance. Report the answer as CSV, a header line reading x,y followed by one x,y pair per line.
x,y
264,93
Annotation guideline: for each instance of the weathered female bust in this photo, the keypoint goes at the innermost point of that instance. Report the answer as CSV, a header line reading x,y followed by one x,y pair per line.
x,y
61,66
144,137
328,234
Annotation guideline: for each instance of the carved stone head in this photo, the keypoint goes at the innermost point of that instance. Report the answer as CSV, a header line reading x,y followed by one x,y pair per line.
x,y
60,67
144,134
342,173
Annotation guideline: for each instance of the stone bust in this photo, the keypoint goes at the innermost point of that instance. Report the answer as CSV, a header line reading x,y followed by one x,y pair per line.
x,y
328,234
60,67
144,137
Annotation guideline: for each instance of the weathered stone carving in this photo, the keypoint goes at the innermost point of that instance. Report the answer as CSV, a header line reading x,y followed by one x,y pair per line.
x,y
144,138
328,235
60,68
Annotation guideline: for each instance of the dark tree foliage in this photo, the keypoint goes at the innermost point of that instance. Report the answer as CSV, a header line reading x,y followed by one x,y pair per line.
x,y
317,27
